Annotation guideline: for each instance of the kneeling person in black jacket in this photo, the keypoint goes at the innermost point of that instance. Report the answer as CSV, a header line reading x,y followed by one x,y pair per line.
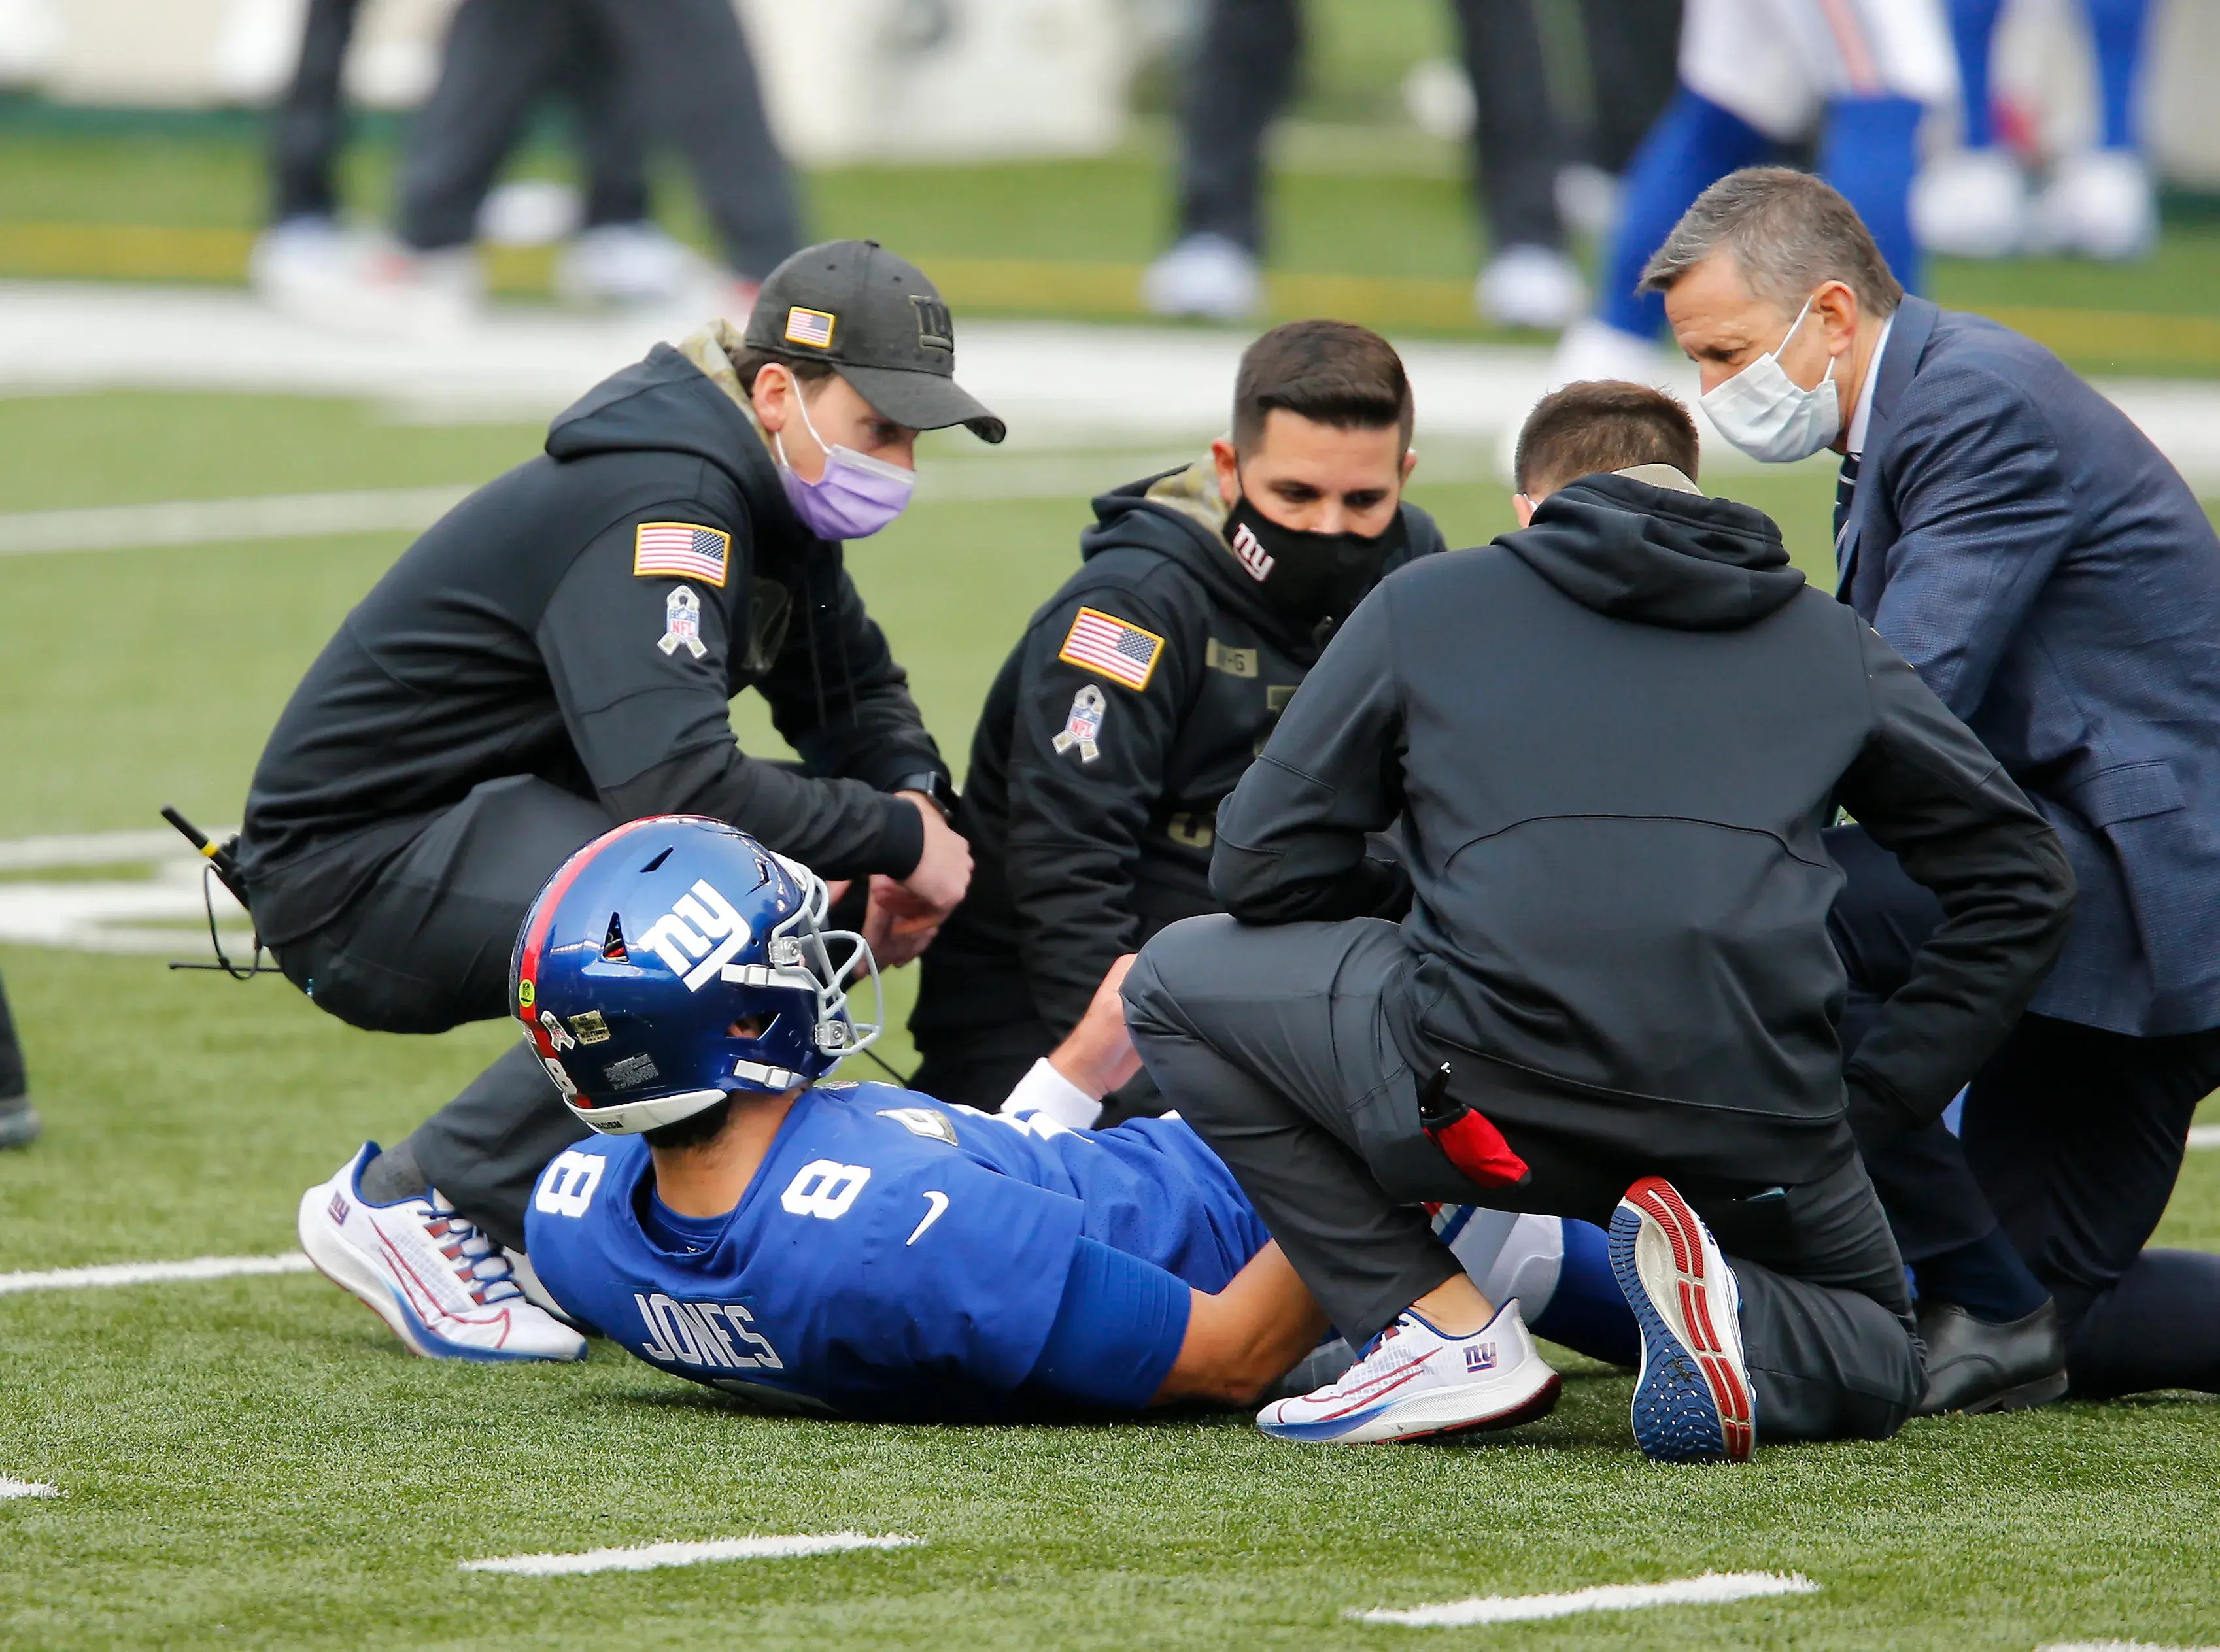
x,y
1613,738
1141,691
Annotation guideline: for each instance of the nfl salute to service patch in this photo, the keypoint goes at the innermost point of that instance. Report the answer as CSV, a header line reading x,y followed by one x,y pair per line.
x,y
686,549
1118,649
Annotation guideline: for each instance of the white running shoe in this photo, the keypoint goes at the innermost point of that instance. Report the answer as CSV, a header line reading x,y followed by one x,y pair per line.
x,y
629,266
2099,204
1692,1399
1538,288
445,1287
1206,277
1971,204
1415,1381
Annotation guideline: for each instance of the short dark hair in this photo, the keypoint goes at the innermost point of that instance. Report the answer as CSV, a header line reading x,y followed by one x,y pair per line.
x,y
1602,424
1787,233
1334,372
694,1130
808,370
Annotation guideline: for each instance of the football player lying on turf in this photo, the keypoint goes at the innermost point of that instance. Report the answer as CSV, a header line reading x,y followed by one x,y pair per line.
x,y
861,1250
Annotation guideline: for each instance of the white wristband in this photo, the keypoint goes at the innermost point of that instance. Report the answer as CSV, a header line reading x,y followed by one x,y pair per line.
x,y
1044,1090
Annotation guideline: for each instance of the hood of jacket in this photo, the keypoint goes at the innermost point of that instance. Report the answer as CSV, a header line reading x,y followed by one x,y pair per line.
x,y
1181,514
671,403
1657,555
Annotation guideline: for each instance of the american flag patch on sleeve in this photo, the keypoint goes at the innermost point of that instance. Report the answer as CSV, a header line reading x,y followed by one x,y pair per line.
x,y
1117,648
682,550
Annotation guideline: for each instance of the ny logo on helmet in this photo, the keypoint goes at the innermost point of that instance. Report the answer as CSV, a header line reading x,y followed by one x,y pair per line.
x,y
701,926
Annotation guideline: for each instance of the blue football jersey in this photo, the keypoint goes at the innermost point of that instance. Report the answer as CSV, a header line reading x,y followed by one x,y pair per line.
x,y
895,1257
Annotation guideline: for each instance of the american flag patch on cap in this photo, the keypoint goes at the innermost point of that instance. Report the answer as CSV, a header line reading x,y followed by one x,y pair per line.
x,y
684,549
812,327
1117,648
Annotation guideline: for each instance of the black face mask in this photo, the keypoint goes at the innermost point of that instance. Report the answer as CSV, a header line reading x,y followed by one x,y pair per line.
x,y
1308,579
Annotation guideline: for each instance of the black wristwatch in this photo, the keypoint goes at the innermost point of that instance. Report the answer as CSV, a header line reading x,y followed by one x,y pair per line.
x,y
934,785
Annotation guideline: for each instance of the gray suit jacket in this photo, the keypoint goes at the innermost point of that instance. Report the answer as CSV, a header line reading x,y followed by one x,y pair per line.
x,y
2053,580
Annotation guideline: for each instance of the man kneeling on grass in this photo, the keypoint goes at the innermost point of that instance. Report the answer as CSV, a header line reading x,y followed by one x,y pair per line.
x,y
862,1249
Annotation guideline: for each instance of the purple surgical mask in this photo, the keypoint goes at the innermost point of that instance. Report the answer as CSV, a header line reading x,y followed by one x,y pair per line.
x,y
856,497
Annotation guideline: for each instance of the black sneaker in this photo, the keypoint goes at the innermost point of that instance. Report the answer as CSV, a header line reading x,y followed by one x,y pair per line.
x,y
19,1123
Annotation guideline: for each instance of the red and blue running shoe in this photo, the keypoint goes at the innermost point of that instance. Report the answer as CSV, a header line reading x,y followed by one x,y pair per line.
x,y
1692,1401
1415,1381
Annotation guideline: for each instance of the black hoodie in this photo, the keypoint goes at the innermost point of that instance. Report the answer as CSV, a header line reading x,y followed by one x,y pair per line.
x,y
1617,735
1081,851
515,638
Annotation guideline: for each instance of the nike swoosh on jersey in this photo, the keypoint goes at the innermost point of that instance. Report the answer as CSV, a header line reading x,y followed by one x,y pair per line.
x,y
939,1203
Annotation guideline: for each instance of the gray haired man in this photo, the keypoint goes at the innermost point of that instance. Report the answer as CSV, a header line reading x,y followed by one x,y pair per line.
x,y
2052,578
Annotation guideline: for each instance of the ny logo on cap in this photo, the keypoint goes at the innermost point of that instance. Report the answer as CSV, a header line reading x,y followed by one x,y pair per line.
x,y
936,328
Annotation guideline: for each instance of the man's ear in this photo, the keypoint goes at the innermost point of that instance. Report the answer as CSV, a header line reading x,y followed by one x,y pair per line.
x,y
1410,462
1523,507
769,396
1836,306
1227,464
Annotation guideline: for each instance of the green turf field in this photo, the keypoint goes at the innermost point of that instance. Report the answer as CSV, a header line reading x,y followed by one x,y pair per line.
x,y
257,1463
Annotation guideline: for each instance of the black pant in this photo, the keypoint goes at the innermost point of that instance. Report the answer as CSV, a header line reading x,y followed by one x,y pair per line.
x,y
426,947
13,1081
1274,1044
311,119
1244,68
2071,1139
500,57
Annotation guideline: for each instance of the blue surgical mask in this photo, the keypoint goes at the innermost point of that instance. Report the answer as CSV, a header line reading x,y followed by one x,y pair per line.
x,y
1768,414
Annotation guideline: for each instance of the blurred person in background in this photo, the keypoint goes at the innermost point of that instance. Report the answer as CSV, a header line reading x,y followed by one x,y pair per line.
x,y
677,69
1757,76
19,1119
1239,79
2101,202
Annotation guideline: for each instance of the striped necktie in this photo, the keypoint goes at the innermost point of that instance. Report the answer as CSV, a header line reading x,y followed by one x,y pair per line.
x,y
1845,485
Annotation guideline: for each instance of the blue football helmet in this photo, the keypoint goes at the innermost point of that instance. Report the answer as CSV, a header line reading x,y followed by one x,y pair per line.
x,y
649,950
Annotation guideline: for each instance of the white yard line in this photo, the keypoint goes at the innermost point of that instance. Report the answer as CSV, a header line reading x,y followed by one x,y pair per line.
x,y
1712,1589
2119,1645
208,521
153,1273
648,1556
27,1488
2205,1136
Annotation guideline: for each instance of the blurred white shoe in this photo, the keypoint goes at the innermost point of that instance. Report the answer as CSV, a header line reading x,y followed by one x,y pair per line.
x,y
1207,277
1971,204
2099,202
355,284
1593,349
631,265
1530,286
1587,198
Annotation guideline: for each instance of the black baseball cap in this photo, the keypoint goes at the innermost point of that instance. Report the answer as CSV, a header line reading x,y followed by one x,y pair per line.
x,y
876,321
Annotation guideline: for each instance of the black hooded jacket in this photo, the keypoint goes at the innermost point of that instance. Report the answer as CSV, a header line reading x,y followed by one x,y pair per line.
x,y
515,638
1081,851
1616,736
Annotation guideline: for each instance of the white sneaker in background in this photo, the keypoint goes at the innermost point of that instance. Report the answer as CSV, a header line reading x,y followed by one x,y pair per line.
x,y
1533,287
1205,278
1971,204
629,266
366,284
2101,203
1415,1381
1589,198
444,1287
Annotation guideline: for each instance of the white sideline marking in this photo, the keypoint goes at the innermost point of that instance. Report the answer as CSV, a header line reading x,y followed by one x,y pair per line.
x,y
2201,1135
648,1556
27,1488
154,906
1713,1588
2119,1645
202,521
153,1273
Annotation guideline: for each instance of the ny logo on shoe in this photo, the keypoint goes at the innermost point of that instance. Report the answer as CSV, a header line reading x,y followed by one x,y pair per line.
x,y
339,1211
1480,1356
